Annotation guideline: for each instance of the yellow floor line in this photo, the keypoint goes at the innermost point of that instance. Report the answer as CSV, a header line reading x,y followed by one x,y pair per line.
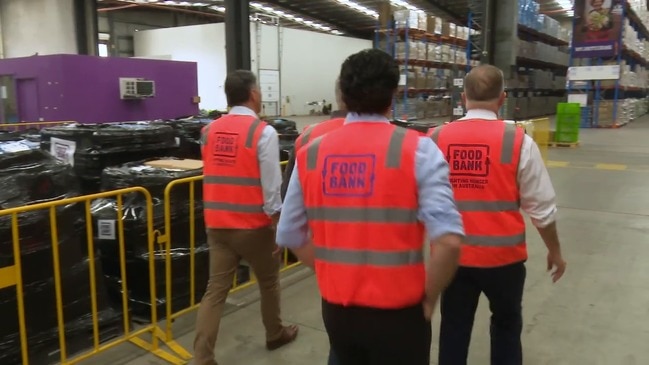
x,y
557,163
610,166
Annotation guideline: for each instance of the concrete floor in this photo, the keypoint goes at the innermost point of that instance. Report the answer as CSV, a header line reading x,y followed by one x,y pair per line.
x,y
595,315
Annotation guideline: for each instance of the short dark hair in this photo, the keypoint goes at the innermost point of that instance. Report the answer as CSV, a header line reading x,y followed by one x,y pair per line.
x,y
368,81
238,85
484,83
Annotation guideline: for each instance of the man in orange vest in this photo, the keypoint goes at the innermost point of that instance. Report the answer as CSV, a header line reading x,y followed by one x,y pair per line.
x,y
368,192
241,190
496,170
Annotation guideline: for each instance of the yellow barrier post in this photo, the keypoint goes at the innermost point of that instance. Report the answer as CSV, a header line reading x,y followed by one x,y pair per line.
x,y
165,238
539,130
12,276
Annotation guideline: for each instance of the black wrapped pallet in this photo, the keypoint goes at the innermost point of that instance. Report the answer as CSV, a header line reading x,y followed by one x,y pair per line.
x,y
29,177
134,219
93,147
288,133
188,136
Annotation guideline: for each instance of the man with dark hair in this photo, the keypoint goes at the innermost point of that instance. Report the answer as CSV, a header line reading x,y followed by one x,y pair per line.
x,y
241,189
496,170
368,192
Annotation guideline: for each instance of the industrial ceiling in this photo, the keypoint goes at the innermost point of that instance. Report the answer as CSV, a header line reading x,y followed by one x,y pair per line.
x,y
357,18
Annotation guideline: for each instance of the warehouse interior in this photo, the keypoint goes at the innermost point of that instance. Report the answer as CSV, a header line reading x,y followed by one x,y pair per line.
x,y
101,213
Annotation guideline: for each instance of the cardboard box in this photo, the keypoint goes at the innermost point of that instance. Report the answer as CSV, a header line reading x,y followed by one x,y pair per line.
x,y
434,25
176,164
446,29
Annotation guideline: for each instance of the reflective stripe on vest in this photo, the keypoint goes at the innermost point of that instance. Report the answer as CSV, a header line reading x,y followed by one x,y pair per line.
x,y
368,257
485,206
496,241
370,215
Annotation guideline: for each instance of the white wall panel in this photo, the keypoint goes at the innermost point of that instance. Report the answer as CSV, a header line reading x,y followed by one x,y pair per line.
x,y
203,44
310,61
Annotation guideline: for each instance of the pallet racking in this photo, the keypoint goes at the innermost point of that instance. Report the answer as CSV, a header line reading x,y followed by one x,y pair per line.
x,y
431,53
538,77
613,103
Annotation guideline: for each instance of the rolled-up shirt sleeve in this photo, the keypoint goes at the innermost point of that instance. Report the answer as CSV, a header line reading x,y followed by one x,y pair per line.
x,y
537,196
437,208
293,228
270,170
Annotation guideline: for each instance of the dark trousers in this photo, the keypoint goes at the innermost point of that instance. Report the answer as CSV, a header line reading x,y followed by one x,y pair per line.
x,y
333,360
369,336
503,286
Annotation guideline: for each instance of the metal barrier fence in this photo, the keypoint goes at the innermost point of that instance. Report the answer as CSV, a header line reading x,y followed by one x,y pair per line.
x,y
13,276
165,238
154,336
15,127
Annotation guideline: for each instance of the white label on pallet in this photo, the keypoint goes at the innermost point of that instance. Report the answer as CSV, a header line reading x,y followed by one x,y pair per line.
x,y
63,150
582,99
106,229
458,82
458,111
403,80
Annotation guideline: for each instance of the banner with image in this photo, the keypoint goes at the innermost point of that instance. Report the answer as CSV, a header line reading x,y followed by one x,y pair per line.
x,y
598,26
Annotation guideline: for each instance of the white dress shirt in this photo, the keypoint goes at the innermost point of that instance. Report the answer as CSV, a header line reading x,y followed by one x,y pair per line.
x,y
538,199
268,156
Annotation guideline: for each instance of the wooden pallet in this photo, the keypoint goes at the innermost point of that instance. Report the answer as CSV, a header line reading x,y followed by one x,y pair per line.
x,y
564,144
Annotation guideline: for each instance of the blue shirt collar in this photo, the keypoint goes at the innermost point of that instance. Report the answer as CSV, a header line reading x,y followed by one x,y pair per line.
x,y
362,117
242,110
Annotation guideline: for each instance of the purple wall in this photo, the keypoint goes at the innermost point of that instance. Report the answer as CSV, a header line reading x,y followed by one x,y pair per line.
x,y
86,89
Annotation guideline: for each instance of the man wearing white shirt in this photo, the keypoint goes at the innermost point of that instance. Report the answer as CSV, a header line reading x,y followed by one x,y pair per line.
x,y
496,171
242,203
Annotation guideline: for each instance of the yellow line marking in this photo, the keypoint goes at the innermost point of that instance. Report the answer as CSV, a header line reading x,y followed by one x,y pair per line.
x,y
558,163
610,166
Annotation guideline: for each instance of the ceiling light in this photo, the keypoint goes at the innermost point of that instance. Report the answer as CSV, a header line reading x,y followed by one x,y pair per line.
x,y
358,7
404,4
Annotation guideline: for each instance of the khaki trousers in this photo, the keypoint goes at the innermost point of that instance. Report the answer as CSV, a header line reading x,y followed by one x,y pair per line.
x,y
227,248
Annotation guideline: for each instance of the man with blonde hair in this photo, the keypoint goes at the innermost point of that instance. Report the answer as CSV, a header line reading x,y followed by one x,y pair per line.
x,y
496,170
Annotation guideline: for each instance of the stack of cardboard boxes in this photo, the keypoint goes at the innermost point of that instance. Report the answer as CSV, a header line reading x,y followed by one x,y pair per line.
x,y
428,23
542,52
627,111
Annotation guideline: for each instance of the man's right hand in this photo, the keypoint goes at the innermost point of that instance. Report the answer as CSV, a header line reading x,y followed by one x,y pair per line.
x,y
429,308
556,265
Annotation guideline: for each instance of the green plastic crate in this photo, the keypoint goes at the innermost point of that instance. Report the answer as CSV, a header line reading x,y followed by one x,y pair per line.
x,y
568,109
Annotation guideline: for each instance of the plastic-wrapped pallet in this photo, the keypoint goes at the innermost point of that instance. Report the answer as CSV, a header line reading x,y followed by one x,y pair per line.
x,y
27,177
104,213
188,135
92,147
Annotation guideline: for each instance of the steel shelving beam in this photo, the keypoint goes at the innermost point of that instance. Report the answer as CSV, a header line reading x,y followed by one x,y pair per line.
x,y
340,26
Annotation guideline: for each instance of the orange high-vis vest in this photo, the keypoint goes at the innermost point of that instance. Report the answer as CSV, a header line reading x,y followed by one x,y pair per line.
x,y
483,158
360,196
232,188
312,132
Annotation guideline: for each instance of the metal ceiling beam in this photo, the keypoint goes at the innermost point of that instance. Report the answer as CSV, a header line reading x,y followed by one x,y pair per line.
x,y
341,27
443,10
